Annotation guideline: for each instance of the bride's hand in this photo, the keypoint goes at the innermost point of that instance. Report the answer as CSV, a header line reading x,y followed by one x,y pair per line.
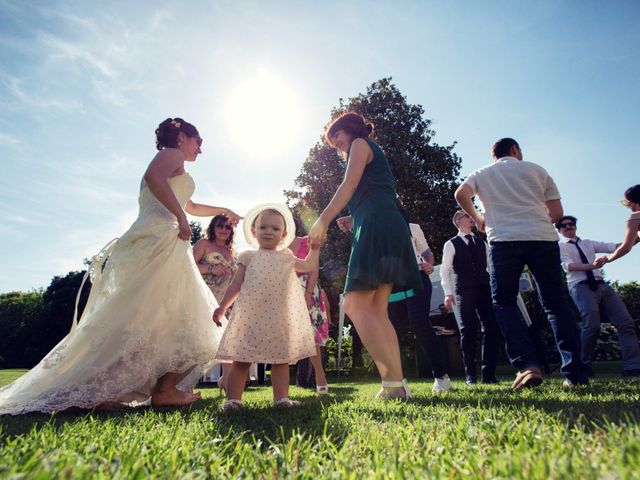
x,y
184,229
233,217
318,234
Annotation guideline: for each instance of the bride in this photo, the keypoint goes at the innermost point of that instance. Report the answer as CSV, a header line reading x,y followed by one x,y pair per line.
x,y
146,332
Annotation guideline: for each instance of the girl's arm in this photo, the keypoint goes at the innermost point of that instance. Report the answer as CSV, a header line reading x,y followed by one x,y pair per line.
x,y
199,249
310,263
630,238
230,295
360,156
202,210
165,164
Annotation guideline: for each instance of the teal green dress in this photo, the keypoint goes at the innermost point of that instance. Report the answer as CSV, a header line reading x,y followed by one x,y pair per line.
x,y
381,251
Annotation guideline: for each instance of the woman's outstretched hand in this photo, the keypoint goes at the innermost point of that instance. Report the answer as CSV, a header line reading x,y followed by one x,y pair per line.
x,y
318,234
345,224
233,217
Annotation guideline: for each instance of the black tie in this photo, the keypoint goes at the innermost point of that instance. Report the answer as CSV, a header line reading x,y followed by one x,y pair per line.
x,y
591,280
470,241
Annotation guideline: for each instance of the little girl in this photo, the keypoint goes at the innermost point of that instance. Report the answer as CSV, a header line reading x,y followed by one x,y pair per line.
x,y
270,321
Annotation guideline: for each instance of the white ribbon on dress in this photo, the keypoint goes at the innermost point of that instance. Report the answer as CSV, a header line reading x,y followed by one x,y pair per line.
x,y
95,271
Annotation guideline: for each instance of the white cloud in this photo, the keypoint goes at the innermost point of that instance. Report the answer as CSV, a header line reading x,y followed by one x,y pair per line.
x,y
8,139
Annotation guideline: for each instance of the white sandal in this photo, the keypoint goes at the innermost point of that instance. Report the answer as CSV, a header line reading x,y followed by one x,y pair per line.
x,y
231,404
386,395
322,389
287,402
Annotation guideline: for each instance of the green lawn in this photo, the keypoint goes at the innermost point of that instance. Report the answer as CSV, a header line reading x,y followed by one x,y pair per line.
x,y
479,432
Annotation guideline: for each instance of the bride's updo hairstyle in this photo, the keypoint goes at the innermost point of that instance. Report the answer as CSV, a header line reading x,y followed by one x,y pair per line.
x,y
351,123
167,132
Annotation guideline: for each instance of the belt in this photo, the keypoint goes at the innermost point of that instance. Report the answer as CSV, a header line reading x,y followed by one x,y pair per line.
x,y
400,296
598,280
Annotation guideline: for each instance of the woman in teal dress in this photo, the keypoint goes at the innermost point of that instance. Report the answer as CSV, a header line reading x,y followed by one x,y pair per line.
x,y
381,252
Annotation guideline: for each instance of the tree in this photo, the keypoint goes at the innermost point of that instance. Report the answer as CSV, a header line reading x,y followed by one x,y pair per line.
x,y
630,294
426,173
21,318
196,231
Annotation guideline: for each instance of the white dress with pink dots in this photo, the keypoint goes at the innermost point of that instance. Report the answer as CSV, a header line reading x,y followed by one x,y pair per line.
x,y
270,320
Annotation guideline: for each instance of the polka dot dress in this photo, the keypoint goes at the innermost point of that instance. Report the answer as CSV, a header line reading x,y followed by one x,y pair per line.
x,y
270,321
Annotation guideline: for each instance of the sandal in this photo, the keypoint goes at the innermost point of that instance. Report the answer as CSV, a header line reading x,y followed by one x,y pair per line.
x,y
322,389
287,403
388,390
231,404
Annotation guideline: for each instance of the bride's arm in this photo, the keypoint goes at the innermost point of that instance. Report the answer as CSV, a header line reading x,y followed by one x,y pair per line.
x,y
164,165
202,210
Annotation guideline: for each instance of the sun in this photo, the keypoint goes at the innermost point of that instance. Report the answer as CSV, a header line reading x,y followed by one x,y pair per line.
x,y
262,115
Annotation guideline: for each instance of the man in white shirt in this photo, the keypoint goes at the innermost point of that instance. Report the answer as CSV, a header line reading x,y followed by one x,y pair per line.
x,y
521,202
465,282
592,296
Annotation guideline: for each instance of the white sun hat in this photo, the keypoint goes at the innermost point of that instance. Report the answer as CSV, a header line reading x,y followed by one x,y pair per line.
x,y
252,214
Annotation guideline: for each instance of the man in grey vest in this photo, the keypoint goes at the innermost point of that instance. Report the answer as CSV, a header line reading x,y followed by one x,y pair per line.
x,y
465,282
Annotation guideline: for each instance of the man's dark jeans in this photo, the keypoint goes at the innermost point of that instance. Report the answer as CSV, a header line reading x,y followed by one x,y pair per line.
x,y
507,261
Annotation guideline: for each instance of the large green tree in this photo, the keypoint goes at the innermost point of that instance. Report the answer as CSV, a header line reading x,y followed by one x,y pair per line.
x,y
426,173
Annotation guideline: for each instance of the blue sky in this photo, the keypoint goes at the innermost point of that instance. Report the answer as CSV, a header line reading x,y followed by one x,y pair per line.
x,y
83,86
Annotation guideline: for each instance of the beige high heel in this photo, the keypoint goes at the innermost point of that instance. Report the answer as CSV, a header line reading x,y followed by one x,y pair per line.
x,y
393,387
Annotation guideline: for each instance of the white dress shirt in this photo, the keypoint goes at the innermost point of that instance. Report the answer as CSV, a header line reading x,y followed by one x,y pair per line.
x,y
447,275
570,254
418,241
513,195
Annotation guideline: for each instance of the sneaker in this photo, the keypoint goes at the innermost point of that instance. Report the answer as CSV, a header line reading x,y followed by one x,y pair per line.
x,y
568,384
471,380
442,384
529,377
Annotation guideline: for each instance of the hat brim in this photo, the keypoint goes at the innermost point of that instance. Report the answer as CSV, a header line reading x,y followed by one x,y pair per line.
x,y
252,214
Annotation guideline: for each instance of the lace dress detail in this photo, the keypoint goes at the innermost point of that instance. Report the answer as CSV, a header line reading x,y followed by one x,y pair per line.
x,y
148,313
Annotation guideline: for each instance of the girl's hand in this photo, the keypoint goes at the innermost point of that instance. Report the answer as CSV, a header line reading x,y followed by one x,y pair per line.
x,y
480,224
184,230
345,223
318,234
218,313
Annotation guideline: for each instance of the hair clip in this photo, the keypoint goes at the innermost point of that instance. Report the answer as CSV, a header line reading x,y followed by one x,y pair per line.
x,y
175,124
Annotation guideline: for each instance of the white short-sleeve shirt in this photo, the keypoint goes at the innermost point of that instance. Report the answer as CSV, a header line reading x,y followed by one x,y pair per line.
x,y
513,195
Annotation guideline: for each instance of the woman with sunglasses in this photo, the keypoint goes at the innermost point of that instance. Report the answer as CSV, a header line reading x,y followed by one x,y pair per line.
x,y
215,255
632,202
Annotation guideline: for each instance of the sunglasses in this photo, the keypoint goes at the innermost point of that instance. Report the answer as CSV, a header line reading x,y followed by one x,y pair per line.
x,y
568,224
224,226
625,202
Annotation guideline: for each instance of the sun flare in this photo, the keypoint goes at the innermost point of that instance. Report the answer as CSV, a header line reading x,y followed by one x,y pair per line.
x,y
262,115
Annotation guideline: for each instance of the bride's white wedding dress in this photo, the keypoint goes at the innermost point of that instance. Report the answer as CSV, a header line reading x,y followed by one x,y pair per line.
x,y
149,313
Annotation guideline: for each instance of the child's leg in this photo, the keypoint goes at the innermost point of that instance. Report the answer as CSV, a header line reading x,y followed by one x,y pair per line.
x,y
237,376
280,380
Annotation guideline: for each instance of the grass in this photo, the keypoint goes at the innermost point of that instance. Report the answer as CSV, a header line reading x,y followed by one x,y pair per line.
x,y
479,432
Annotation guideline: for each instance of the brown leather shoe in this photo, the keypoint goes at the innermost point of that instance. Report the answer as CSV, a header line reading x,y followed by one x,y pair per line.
x,y
529,377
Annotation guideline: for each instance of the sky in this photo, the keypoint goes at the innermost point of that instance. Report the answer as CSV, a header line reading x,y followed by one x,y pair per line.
x,y
83,85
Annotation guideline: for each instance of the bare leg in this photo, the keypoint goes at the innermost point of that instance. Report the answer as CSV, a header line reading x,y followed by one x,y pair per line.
x,y
316,361
235,380
368,312
165,392
280,380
